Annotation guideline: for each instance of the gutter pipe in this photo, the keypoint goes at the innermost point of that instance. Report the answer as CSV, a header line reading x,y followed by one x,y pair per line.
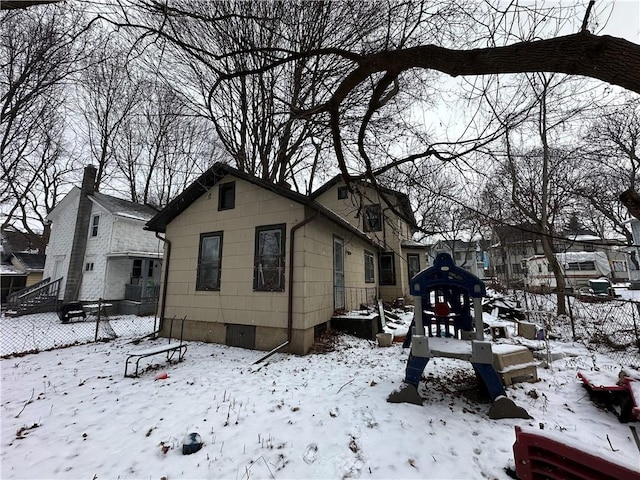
x,y
292,237
163,300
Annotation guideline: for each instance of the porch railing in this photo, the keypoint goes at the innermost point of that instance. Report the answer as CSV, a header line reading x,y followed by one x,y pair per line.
x,y
40,296
139,293
354,297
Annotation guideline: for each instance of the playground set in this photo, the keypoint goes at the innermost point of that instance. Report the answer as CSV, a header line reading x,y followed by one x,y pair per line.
x,y
448,323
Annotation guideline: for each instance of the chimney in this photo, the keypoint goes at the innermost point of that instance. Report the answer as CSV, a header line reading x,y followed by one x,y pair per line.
x,y
80,234
89,180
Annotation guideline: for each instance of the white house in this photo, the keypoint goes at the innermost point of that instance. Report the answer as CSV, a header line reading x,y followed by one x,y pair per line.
x,y
99,249
578,269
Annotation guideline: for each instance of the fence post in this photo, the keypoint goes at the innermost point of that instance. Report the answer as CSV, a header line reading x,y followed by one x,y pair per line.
x,y
635,325
98,318
573,325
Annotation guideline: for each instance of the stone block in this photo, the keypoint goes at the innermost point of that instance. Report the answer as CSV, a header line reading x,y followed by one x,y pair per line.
x,y
527,330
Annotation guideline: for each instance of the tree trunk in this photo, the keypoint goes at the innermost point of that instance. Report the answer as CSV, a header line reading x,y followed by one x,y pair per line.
x,y
631,200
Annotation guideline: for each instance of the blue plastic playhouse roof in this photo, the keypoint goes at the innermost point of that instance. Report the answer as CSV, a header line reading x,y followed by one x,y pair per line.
x,y
444,273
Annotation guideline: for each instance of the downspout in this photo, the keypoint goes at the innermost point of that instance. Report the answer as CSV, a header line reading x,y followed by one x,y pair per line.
x,y
163,300
292,237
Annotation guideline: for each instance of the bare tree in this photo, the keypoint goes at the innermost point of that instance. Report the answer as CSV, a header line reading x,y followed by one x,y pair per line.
x,y
109,95
40,50
162,148
612,153
539,183
256,112
238,55
614,146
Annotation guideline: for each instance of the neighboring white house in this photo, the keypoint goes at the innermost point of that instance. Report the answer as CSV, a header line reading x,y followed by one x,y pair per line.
x,y
578,268
100,250
471,255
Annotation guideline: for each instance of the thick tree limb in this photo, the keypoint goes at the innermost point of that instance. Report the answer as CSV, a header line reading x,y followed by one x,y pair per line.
x,y
631,200
610,59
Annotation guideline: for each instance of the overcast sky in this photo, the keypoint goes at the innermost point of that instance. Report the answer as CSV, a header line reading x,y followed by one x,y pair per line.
x,y
625,20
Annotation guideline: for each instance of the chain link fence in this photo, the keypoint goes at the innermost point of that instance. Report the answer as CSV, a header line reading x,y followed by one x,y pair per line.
x,y
38,332
606,325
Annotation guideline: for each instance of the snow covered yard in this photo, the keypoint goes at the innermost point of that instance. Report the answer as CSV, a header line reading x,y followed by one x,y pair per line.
x,y
44,331
71,414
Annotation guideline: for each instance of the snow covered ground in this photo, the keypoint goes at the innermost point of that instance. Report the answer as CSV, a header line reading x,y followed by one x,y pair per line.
x,y
70,414
44,331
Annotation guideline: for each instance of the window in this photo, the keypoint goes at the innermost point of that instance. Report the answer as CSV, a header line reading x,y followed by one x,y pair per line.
x,y
227,196
94,225
413,264
268,269
619,266
209,261
387,269
88,267
369,269
136,271
581,266
516,268
372,218
343,192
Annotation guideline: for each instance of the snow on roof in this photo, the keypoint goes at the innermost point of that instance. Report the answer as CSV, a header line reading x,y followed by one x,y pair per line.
x,y
123,208
598,258
466,236
413,244
133,254
10,270
583,238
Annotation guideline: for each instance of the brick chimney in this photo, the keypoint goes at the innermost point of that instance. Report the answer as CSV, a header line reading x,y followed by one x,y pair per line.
x,y
80,234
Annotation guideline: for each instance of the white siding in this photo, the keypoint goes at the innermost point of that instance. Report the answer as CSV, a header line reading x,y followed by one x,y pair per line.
x,y
63,223
93,283
128,235
118,275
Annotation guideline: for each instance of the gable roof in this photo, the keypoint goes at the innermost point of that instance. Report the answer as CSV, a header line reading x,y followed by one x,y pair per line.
x,y
30,261
522,233
12,240
403,199
123,208
215,174
113,205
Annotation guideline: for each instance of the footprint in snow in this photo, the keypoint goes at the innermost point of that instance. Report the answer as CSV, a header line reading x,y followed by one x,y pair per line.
x,y
310,453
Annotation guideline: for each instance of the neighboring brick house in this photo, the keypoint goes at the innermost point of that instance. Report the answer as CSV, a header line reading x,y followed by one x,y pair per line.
x,y
100,250
256,265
